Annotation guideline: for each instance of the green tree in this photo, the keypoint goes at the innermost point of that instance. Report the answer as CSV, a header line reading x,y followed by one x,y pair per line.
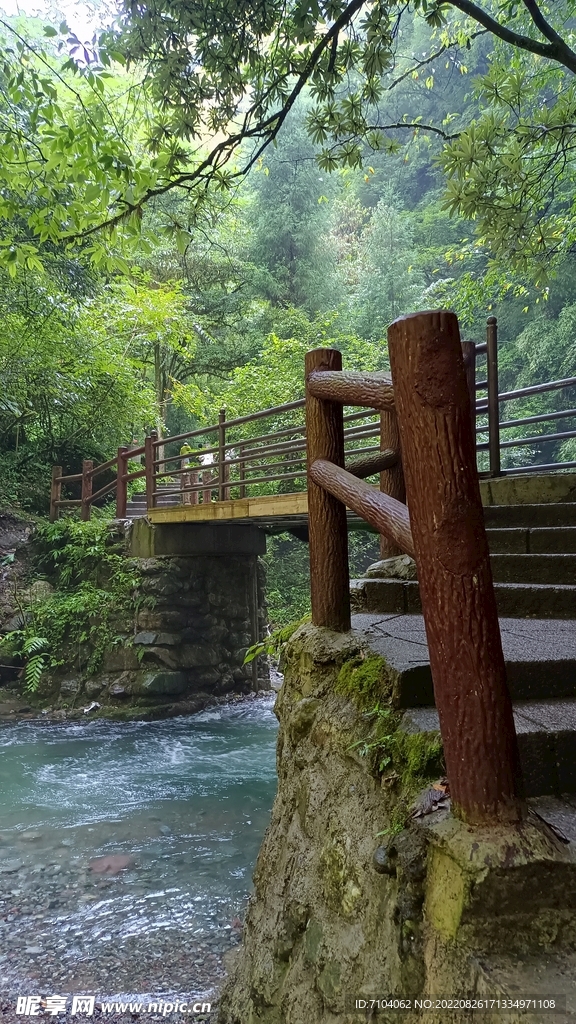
x,y
153,326
390,284
256,62
291,217
212,84
68,392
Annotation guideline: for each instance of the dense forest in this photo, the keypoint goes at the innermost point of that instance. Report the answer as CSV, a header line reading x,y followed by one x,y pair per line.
x,y
210,292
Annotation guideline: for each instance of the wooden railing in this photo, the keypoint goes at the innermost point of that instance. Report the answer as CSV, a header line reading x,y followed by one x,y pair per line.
x,y
244,461
237,461
444,531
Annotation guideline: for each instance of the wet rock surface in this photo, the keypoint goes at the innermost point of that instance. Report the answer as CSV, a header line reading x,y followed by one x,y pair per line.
x,y
47,946
126,855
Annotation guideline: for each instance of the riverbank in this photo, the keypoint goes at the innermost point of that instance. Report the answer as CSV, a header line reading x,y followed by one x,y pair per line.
x,y
16,706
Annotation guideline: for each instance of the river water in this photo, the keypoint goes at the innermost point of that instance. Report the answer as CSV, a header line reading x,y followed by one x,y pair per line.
x,y
187,800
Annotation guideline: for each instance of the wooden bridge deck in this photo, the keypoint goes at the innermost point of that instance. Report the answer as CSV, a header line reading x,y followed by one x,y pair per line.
x,y
269,508
275,513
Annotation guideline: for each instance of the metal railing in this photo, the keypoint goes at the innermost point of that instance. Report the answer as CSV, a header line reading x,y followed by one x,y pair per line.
x,y
491,405
230,459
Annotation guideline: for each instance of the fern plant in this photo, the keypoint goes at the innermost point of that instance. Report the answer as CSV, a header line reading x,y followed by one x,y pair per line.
x,y
34,653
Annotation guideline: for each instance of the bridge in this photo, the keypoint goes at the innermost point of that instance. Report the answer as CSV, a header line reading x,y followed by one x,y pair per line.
x,y
252,469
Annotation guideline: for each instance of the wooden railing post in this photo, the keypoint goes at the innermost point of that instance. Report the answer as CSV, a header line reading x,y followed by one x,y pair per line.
x,y
391,480
469,354
149,456
55,493
493,403
121,482
454,573
242,473
221,454
87,467
207,492
328,533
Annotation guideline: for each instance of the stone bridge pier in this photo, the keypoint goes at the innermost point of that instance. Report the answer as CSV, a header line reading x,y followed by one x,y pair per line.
x,y
206,582
200,605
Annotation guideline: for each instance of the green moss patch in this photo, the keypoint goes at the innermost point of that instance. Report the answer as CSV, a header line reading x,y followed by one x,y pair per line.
x,y
364,680
405,761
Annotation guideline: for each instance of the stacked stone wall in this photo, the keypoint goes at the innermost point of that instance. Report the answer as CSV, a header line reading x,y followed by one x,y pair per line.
x,y
194,618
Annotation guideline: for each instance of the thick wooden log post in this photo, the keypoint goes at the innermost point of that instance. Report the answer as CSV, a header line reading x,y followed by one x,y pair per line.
x,y
454,572
221,455
55,493
391,479
469,355
87,467
328,532
121,482
493,403
149,456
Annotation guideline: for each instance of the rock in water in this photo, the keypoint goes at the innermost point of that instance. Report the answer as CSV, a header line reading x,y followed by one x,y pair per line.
x,y
111,864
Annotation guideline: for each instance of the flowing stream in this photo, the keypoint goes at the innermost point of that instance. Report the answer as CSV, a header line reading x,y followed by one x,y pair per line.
x,y
184,801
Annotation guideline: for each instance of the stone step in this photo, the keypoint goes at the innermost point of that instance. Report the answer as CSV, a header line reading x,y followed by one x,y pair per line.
x,y
168,499
140,499
546,733
540,656
552,967
533,600
559,513
539,540
534,568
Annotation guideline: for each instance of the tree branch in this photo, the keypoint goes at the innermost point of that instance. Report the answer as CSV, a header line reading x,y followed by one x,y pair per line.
x,y
413,125
557,51
428,60
222,152
541,24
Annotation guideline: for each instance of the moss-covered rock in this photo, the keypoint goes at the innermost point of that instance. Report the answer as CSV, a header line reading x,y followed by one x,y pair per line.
x,y
354,896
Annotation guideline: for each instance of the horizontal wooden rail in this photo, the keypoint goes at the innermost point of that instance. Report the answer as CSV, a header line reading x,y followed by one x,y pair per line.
x,y
520,442
372,464
68,479
538,468
239,420
231,483
372,390
384,513
541,418
102,467
103,490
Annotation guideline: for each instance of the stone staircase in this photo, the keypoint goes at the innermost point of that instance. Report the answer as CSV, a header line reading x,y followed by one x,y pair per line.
x,y
533,555
136,506
533,563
